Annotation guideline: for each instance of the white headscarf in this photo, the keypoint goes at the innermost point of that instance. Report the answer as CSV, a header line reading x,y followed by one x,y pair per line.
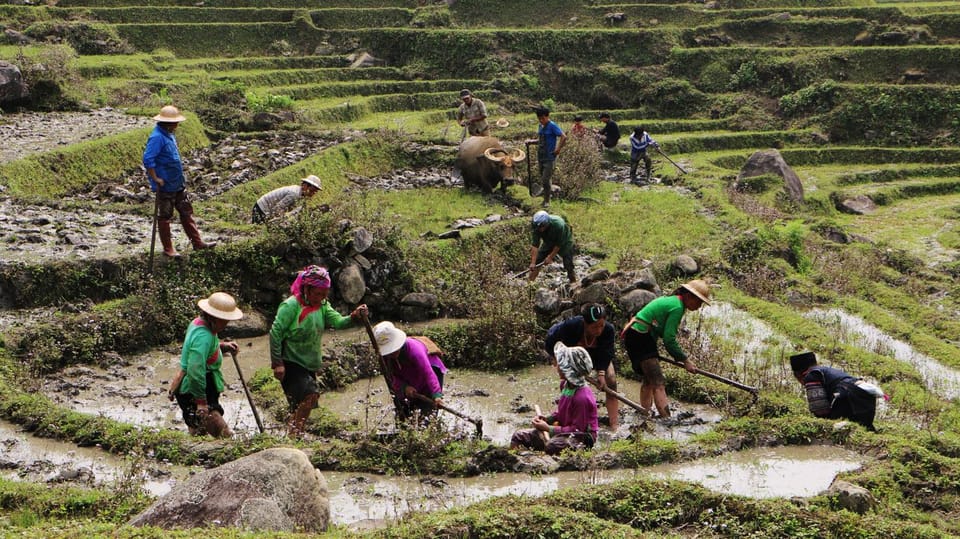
x,y
574,363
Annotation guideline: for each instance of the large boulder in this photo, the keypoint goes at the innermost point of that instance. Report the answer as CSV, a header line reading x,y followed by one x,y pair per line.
x,y
12,86
350,284
633,301
857,205
771,162
273,490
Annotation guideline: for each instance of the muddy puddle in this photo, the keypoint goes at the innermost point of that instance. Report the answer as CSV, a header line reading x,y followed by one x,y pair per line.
x,y
938,378
364,501
24,457
505,402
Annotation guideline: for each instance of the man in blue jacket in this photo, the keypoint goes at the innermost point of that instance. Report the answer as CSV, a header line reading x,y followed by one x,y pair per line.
x,y
550,140
161,158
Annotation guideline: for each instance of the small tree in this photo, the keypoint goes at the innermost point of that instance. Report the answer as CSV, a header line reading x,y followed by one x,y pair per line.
x,y
578,167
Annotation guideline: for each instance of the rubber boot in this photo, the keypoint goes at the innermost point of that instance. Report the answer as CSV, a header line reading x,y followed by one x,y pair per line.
x,y
216,426
163,229
190,227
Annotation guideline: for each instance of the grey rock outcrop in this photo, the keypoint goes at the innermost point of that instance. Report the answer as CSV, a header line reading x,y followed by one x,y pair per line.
x,y
350,284
857,205
852,497
771,162
419,306
273,490
12,86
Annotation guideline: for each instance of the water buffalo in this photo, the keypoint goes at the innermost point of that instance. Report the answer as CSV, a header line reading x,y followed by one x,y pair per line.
x,y
484,163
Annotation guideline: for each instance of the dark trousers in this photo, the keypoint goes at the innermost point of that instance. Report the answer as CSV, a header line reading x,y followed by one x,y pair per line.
x,y
634,162
532,439
855,404
188,403
567,261
406,407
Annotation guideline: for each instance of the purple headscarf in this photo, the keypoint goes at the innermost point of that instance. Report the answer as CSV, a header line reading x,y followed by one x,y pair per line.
x,y
311,276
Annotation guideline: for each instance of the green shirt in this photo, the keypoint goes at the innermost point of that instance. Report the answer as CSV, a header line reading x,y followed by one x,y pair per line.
x,y
299,341
199,346
661,317
558,232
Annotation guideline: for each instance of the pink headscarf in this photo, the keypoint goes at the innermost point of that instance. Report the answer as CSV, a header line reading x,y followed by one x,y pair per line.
x,y
312,277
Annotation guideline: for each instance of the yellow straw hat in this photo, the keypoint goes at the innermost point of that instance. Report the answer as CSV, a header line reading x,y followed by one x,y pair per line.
x,y
699,288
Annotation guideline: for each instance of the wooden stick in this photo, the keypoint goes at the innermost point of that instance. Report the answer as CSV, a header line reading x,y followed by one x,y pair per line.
x,y
384,368
544,435
477,422
620,397
256,415
718,378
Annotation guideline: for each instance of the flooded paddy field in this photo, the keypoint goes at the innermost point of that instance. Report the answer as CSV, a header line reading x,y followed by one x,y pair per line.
x,y
363,500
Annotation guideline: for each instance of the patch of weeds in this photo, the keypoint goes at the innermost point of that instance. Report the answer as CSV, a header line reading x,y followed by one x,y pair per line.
x,y
648,452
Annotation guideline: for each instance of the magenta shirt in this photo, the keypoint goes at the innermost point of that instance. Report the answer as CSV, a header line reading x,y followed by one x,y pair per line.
x,y
416,370
577,412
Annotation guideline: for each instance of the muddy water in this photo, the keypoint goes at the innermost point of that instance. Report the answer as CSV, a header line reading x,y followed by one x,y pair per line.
x,y
505,402
940,379
137,394
27,458
363,500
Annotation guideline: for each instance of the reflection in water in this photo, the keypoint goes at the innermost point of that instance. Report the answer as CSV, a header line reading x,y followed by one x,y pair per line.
x,y
940,379
363,500
767,473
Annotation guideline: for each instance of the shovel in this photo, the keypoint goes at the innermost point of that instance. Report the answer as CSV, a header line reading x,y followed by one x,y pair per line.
x,y
256,415
754,391
384,368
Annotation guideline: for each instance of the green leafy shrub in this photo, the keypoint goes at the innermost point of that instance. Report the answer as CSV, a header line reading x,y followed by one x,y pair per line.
x,y
715,77
268,102
221,105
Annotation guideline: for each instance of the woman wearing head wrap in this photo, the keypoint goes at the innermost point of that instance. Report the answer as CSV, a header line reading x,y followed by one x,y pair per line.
x,y
573,425
199,383
661,319
295,340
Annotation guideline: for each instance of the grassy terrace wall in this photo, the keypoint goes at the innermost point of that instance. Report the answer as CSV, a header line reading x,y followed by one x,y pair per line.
x,y
171,15
77,167
791,68
295,4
